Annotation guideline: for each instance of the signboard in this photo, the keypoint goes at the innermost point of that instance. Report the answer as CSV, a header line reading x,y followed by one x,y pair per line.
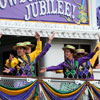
x,y
59,11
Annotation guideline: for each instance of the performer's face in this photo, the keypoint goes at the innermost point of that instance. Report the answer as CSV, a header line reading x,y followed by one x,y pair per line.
x,y
28,50
21,51
68,54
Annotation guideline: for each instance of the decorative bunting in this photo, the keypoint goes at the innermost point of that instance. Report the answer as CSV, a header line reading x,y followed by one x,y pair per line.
x,y
31,91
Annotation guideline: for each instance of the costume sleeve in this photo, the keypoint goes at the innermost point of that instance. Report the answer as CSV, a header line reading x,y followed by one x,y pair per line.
x,y
44,51
37,51
93,59
8,64
11,64
86,58
11,70
58,67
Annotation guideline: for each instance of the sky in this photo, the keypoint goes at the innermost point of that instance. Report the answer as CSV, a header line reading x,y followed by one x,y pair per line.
x,y
97,3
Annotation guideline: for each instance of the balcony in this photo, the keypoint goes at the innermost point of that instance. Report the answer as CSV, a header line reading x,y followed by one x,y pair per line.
x,y
43,88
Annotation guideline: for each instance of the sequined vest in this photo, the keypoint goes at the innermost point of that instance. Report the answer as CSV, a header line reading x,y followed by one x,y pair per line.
x,y
85,71
25,68
70,71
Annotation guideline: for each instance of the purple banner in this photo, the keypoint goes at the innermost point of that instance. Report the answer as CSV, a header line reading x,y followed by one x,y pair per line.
x,y
98,12
60,11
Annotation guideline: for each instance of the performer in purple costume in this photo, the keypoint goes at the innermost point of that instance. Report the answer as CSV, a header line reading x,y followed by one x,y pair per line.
x,y
70,65
27,66
85,71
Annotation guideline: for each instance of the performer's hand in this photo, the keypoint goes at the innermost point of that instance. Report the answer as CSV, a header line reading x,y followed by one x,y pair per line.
x,y
37,36
97,49
98,66
6,70
11,57
0,35
51,38
43,69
